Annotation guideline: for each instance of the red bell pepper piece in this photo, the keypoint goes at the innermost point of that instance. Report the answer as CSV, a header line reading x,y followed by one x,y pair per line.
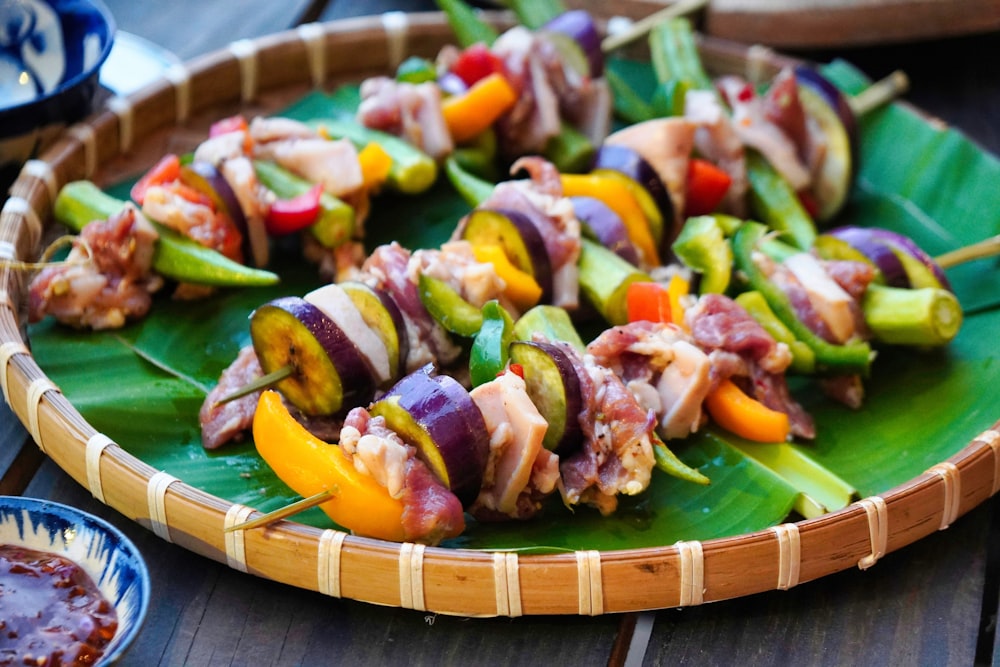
x,y
706,186
648,302
290,215
477,62
167,170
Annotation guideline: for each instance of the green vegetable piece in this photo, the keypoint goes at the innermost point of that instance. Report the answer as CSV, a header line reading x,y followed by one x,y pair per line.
x,y
803,358
491,345
830,358
466,24
924,317
628,104
675,56
416,70
335,223
668,98
774,203
534,14
479,157
702,246
604,280
412,170
552,322
546,387
176,257
570,151
473,189
448,307
667,461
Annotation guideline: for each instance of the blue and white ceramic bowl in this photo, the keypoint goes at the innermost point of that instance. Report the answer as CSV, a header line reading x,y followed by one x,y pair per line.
x,y
100,549
50,54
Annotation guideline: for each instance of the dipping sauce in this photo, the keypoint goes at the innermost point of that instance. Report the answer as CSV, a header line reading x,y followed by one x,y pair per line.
x,y
51,611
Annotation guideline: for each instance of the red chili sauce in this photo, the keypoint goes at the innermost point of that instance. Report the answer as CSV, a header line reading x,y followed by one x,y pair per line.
x,y
51,612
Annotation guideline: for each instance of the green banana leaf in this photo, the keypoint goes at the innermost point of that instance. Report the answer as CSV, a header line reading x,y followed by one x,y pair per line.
x,y
143,385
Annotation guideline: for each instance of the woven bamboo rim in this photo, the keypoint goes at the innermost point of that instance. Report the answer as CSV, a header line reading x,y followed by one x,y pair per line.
x,y
261,75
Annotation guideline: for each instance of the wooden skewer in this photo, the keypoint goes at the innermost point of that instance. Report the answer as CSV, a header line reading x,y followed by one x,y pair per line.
x,y
283,512
981,250
641,27
262,382
880,93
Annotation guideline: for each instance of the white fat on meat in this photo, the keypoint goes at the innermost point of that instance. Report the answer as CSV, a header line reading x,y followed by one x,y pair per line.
x,y
830,300
334,302
254,201
271,128
516,432
411,111
666,144
535,118
217,149
682,388
332,163
382,456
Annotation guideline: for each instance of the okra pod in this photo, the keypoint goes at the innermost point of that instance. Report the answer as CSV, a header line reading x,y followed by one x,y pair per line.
x,y
335,223
176,257
775,203
604,280
675,56
839,359
925,317
466,24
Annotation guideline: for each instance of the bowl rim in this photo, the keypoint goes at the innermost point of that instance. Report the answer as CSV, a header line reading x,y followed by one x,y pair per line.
x,y
121,641
71,83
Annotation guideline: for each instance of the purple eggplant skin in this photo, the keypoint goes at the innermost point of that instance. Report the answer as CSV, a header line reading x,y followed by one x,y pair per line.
x,y
494,226
606,226
329,376
864,241
813,81
880,245
633,165
444,424
579,24
907,245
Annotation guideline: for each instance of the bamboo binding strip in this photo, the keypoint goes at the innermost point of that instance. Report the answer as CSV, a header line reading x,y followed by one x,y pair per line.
x,y
261,76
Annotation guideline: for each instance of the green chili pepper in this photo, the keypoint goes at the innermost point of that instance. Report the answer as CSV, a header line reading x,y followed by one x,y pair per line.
x,y
176,257
667,461
479,157
470,187
491,345
466,24
447,306
335,223
775,203
830,358
803,358
702,246
668,98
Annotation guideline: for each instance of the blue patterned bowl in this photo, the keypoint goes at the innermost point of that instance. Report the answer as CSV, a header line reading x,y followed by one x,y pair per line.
x,y
50,54
100,549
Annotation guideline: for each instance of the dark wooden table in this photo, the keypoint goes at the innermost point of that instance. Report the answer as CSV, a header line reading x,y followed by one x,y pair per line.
x,y
932,603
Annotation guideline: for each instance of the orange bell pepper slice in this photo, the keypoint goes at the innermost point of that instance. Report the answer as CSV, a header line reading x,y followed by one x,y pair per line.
x,y
309,465
617,197
375,165
471,113
677,288
746,417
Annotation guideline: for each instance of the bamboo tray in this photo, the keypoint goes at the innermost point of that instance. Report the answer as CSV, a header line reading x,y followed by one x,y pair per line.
x,y
261,76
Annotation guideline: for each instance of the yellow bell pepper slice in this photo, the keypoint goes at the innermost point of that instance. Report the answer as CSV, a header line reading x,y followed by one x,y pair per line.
x,y
617,197
309,465
375,165
521,288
